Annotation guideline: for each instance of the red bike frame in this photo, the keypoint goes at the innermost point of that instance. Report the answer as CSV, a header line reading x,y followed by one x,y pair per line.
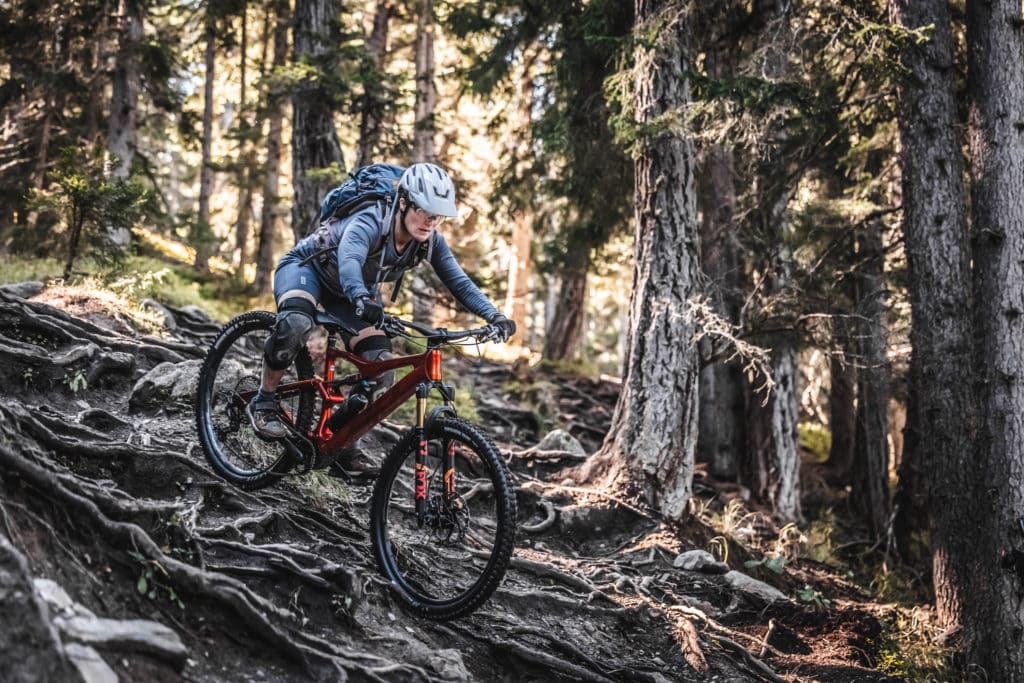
x,y
425,374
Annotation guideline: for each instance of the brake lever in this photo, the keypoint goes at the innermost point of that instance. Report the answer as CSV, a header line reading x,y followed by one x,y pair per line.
x,y
493,334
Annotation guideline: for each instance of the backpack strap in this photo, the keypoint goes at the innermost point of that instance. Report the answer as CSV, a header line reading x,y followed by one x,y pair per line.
x,y
427,247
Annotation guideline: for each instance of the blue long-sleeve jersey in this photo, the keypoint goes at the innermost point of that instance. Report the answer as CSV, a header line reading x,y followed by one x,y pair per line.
x,y
365,257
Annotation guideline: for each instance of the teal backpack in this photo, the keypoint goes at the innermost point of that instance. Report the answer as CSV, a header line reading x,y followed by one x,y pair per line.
x,y
366,185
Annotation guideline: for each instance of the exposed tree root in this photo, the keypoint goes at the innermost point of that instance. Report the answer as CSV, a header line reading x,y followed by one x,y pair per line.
x,y
542,659
549,519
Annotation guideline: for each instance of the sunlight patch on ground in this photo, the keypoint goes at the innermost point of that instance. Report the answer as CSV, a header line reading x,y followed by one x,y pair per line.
x,y
178,251
100,306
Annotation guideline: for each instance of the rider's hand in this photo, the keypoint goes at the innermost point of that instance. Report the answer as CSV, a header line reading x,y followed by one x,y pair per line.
x,y
369,310
506,327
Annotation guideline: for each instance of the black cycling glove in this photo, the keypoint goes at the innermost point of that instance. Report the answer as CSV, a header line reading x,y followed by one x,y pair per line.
x,y
369,310
505,326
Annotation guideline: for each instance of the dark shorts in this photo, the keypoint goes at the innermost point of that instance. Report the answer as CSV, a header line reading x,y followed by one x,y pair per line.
x,y
294,281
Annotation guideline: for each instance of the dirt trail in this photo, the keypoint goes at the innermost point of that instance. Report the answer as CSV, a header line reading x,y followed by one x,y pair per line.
x,y
117,505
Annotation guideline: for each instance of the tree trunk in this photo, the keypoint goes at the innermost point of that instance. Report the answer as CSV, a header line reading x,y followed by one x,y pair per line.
x,y
246,156
870,493
121,136
842,400
772,465
270,213
371,107
520,261
651,443
994,609
935,232
517,297
317,163
426,91
205,244
564,339
771,469
97,76
722,388
423,136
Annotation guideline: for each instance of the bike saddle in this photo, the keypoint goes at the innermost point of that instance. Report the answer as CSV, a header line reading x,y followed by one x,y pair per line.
x,y
332,323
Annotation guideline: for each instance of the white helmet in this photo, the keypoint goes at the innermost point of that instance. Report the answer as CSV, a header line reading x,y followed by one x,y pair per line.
x,y
430,188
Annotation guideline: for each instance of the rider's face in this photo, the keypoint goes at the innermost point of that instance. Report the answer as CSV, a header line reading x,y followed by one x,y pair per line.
x,y
420,225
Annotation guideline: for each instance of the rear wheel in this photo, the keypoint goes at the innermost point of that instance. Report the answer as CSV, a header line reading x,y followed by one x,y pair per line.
x,y
230,374
446,562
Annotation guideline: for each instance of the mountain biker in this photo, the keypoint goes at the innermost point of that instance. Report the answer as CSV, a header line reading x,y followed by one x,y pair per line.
x,y
341,267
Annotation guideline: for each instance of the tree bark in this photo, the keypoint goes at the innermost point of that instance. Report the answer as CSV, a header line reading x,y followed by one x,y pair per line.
x,y
121,138
371,107
270,213
246,154
935,233
520,260
315,147
651,443
205,244
870,493
124,102
772,465
423,136
994,608
426,90
564,338
842,413
722,388
771,469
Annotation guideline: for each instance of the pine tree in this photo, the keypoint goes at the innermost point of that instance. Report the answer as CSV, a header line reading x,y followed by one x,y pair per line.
x,y
651,443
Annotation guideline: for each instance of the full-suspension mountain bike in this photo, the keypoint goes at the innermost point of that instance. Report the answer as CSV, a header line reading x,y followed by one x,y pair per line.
x,y
443,509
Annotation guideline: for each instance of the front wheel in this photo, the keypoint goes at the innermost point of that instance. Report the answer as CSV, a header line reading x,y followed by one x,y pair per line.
x,y
229,377
447,560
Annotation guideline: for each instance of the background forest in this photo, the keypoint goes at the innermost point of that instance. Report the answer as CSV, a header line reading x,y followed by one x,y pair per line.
x,y
791,227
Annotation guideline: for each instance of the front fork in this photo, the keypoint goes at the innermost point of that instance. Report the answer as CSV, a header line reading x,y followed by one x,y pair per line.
x,y
447,450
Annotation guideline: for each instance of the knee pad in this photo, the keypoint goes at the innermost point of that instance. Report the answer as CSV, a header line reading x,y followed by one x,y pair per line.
x,y
377,348
290,332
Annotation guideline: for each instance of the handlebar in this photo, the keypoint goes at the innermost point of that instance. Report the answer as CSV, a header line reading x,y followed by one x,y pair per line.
x,y
394,326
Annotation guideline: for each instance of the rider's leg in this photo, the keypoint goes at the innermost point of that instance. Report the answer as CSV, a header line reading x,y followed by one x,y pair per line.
x,y
371,344
296,291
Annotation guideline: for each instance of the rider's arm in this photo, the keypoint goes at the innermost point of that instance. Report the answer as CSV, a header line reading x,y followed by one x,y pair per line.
x,y
353,248
456,280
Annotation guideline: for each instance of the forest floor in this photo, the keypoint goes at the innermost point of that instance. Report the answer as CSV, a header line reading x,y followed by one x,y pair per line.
x,y
114,501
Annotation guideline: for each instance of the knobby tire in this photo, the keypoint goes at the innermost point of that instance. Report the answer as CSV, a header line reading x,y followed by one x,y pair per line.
x,y
399,463
206,420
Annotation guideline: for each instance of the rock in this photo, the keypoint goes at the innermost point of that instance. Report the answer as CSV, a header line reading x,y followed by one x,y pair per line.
x,y
561,440
30,648
90,665
700,561
130,635
23,290
759,591
76,622
448,665
168,385
59,601
102,420
169,322
196,314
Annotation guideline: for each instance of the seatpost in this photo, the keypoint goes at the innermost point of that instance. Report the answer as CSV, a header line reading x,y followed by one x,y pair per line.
x,y
329,358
